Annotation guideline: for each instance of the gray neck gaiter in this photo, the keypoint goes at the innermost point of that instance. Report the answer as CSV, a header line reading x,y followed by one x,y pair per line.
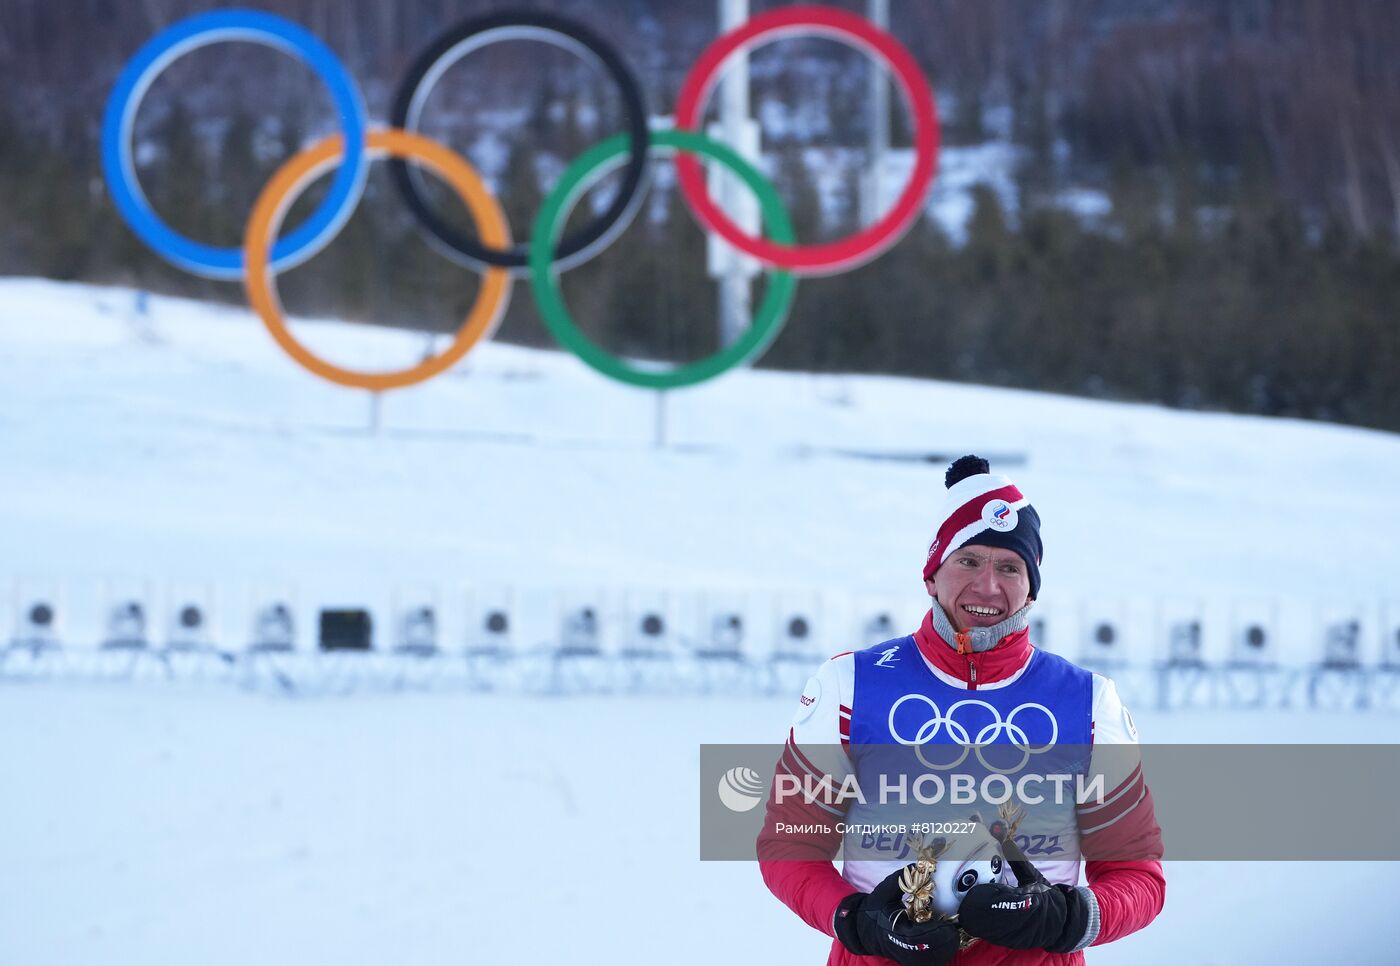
x,y
979,638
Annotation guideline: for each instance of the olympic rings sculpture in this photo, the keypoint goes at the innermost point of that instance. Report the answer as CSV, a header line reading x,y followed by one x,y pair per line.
x,y
267,251
958,733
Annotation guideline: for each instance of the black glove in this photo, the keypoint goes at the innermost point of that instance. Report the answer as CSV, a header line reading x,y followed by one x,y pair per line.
x,y
875,924
1034,914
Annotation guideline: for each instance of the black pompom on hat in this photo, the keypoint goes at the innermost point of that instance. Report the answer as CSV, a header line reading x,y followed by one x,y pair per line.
x,y
963,467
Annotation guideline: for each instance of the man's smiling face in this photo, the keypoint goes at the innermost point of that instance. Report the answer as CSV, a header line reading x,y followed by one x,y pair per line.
x,y
980,586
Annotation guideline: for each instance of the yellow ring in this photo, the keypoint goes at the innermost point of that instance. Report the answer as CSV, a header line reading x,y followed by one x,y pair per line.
x,y
294,176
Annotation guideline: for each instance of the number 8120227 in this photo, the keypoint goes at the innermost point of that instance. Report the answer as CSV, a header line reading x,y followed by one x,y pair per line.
x,y
942,828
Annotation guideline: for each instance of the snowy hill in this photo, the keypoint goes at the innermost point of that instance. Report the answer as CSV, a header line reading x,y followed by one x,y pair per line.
x,y
185,444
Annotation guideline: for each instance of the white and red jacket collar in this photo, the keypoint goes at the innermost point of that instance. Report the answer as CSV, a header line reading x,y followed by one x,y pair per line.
x,y
956,663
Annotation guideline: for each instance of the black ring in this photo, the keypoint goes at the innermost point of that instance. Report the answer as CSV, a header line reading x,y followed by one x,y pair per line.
x,y
468,247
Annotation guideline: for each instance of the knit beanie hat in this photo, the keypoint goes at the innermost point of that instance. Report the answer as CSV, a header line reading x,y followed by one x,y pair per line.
x,y
987,510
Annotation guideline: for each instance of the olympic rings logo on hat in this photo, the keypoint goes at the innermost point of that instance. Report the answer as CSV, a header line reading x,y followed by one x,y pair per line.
x,y
1000,515
987,734
266,251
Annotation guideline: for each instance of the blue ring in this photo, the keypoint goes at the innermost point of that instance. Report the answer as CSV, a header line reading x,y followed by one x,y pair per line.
x,y
199,31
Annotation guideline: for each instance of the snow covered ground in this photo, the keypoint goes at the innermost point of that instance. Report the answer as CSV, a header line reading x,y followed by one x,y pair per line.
x,y
213,826
153,824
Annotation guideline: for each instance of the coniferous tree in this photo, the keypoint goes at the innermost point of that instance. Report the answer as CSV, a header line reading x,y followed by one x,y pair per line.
x,y
177,182
809,341
520,195
236,178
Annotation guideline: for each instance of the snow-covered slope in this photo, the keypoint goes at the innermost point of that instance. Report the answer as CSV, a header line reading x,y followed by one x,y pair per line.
x,y
185,444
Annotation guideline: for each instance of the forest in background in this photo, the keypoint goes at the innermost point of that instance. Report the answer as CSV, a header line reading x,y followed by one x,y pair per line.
x,y
1250,150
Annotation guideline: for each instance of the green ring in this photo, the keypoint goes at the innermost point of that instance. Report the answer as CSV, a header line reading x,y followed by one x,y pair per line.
x,y
544,277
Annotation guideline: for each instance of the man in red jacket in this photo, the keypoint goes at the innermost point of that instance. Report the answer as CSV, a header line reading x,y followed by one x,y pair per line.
x,y
972,656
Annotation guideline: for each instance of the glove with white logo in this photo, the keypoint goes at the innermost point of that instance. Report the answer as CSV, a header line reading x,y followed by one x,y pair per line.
x,y
875,924
1032,915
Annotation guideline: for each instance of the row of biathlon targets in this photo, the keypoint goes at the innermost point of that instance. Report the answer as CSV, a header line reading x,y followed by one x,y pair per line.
x,y
126,615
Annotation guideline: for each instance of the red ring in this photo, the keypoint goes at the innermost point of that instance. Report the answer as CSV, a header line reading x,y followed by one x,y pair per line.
x,y
865,244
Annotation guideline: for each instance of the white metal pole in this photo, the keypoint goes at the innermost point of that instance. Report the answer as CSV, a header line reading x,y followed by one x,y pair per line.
x,y
734,290
878,142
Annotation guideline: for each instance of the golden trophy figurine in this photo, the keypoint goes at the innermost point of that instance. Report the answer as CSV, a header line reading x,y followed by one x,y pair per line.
x,y
916,881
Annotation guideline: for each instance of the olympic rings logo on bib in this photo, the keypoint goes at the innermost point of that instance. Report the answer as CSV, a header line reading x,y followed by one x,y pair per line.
x,y
989,725
267,250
